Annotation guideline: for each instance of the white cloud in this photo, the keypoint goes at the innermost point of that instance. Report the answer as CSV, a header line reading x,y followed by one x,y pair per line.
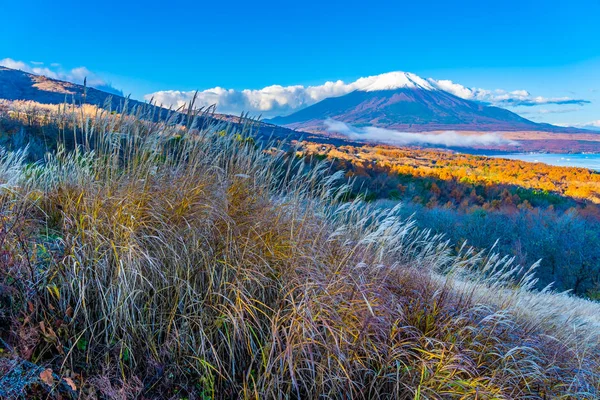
x,y
10,63
448,138
459,90
282,100
592,125
269,101
500,97
55,71
545,111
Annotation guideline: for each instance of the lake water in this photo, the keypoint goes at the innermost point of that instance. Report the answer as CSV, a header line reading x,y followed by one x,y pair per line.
x,y
591,161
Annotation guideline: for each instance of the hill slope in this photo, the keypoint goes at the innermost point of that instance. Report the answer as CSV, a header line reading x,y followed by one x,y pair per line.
x,y
19,85
410,103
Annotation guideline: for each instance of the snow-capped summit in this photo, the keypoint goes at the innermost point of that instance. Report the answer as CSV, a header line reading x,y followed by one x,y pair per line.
x,y
403,101
392,81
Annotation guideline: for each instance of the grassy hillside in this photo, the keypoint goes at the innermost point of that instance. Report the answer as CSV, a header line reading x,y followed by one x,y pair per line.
x,y
160,261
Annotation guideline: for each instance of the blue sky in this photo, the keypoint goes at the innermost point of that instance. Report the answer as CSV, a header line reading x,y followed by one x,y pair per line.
x,y
551,49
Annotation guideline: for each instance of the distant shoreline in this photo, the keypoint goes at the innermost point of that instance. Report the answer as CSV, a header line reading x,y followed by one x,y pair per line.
x,y
574,160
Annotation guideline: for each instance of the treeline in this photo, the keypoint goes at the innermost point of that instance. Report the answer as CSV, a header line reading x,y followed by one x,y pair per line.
x,y
453,193
566,242
370,162
374,181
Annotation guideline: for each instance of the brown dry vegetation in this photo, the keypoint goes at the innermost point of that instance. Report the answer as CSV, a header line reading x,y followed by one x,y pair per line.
x,y
157,261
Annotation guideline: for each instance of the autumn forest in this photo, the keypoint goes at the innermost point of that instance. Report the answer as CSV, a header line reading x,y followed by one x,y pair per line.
x,y
529,211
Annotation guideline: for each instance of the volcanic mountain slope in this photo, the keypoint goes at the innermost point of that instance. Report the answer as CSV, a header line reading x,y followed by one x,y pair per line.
x,y
404,101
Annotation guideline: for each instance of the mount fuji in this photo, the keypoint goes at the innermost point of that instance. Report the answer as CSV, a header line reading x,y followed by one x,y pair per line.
x,y
404,101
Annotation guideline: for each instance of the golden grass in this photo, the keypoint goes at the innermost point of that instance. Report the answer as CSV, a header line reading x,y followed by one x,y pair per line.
x,y
165,262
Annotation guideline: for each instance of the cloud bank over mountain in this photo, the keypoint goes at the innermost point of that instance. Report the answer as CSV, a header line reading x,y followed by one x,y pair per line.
x,y
55,71
280,100
448,138
277,100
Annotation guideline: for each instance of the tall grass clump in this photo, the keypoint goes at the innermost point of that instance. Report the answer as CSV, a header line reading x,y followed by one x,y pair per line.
x,y
154,259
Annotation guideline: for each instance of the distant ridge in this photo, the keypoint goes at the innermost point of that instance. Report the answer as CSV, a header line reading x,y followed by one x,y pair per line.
x,y
404,101
20,85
